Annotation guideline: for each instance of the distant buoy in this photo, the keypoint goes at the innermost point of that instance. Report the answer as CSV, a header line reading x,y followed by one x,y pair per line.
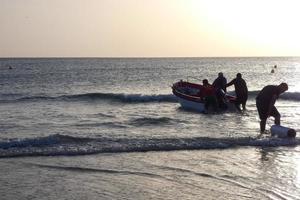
x,y
282,132
272,71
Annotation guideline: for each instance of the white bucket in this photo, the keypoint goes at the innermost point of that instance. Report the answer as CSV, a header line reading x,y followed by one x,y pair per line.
x,y
282,132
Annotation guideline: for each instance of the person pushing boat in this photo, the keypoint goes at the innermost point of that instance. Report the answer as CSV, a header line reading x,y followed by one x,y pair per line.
x,y
209,95
220,86
241,91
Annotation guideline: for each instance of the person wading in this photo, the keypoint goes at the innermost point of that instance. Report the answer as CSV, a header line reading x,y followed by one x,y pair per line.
x,y
265,103
241,91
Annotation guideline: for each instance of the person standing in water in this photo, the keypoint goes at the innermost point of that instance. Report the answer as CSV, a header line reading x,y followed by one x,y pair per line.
x,y
220,82
241,91
220,86
209,96
265,103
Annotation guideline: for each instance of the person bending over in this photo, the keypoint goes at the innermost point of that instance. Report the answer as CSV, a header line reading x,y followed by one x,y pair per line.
x,y
265,103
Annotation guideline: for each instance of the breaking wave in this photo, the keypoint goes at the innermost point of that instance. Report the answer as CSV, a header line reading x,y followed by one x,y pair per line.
x,y
120,97
294,96
55,145
291,96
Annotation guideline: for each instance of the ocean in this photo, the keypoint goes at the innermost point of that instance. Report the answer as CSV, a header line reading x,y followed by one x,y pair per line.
x,y
110,128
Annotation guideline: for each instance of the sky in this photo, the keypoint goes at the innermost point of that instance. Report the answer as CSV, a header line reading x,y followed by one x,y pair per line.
x,y
149,28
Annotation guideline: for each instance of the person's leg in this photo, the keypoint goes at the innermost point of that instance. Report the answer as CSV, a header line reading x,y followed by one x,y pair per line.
x,y
262,112
214,103
206,104
244,104
277,120
274,113
220,99
263,125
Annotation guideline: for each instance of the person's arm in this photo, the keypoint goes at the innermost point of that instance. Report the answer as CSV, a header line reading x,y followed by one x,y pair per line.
x,y
214,83
271,104
230,83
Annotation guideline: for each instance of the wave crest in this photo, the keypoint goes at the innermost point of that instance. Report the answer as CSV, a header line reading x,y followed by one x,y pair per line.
x,y
292,96
120,97
67,145
123,98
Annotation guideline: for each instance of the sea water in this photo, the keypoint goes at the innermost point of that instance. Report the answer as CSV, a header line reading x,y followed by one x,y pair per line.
x,y
110,128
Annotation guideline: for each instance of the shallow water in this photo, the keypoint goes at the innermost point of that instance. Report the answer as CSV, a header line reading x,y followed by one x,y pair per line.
x,y
239,173
125,128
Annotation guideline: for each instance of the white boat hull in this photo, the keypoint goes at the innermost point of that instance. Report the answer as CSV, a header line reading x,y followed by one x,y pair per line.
x,y
191,105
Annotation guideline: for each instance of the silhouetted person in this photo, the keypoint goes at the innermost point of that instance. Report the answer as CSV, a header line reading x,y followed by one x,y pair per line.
x,y
241,91
220,82
265,103
220,86
209,95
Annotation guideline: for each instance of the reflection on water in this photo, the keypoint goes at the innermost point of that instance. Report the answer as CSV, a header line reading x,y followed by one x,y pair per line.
x,y
240,173
280,170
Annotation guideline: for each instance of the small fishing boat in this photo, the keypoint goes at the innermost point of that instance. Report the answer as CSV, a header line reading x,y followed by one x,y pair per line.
x,y
190,96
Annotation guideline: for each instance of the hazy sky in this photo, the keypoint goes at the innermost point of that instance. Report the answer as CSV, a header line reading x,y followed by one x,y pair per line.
x,y
149,28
